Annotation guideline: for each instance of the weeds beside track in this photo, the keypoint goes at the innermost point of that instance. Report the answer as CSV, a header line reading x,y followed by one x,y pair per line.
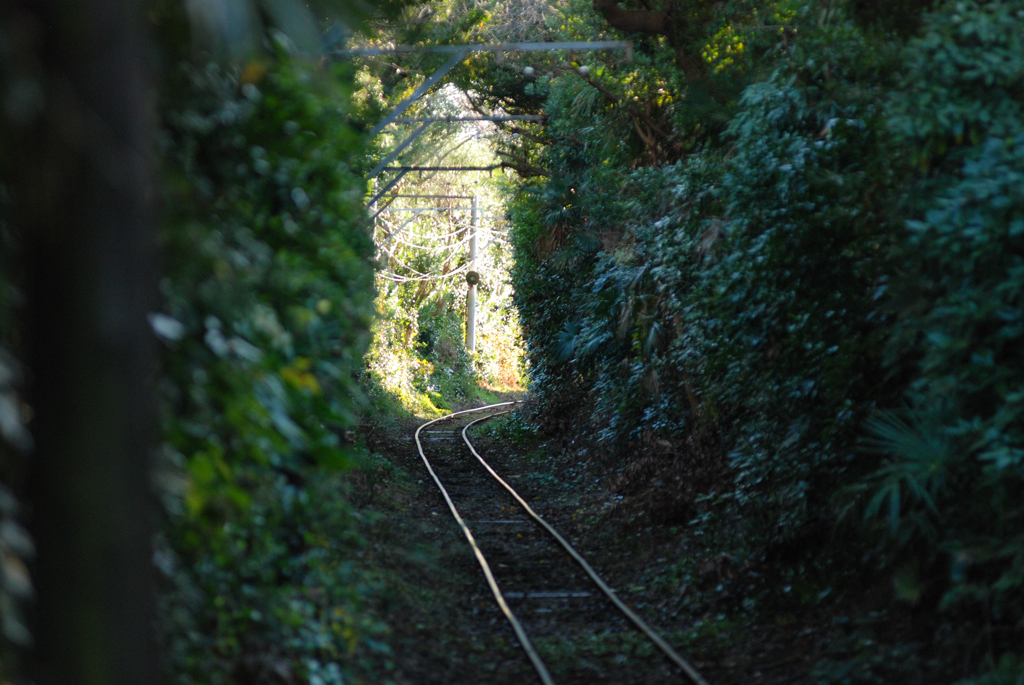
x,y
537,569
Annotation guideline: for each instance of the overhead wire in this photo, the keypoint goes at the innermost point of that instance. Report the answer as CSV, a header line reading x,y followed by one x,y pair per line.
x,y
391,256
446,235
433,248
393,239
465,228
425,277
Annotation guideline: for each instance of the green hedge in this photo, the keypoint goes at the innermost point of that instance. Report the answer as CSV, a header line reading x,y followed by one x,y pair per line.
x,y
268,293
817,309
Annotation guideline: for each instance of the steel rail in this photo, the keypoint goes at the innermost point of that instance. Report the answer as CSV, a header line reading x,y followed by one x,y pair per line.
x,y
666,648
517,627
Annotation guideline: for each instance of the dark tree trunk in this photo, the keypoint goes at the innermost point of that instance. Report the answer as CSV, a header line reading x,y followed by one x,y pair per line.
x,y
77,158
669,22
654,22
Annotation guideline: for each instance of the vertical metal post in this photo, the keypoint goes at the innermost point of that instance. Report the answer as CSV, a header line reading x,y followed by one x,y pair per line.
x,y
471,294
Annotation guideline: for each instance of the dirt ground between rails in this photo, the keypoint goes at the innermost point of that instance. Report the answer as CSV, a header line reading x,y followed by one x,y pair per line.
x,y
446,630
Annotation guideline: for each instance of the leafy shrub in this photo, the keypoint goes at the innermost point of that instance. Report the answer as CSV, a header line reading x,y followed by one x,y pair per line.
x,y
418,361
954,479
268,303
275,595
782,334
724,304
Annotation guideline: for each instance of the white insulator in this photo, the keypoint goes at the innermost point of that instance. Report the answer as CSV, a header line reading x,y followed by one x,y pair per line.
x,y
528,71
584,70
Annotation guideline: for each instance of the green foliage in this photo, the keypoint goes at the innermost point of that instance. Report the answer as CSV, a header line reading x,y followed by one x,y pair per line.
x,y
731,292
1009,671
511,429
274,594
268,303
867,663
269,284
782,334
954,490
927,468
850,236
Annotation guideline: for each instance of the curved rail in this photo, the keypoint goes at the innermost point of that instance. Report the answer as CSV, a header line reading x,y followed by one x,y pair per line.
x,y
517,627
524,639
657,639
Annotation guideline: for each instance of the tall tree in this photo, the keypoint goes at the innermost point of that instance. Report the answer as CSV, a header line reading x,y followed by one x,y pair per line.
x,y
76,144
673,20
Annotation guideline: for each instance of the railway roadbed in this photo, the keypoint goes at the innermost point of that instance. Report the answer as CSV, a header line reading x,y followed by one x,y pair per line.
x,y
445,627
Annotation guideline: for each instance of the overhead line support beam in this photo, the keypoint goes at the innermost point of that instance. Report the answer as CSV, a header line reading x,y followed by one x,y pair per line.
x,y
458,53
416,94
391,184
397,151
452,120
407,169
494,47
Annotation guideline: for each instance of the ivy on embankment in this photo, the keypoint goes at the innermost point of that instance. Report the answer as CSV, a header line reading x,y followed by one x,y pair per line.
x,y
740,328
721,303
268,299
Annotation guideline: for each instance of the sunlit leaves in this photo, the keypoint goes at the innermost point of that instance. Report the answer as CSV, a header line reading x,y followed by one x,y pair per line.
x,y
266,314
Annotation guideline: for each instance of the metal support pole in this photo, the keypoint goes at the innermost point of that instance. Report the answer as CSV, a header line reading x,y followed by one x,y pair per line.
x,y
397,151
391,184
471,293
424,87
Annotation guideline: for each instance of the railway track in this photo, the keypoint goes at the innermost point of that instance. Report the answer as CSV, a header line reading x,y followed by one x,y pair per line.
x,y
546,590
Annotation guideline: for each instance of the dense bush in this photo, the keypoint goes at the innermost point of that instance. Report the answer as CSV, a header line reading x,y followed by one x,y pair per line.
x,y
729,293
948,498
746,321
268,301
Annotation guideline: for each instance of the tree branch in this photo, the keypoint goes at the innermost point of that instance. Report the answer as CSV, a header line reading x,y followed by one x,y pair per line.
x,y
526,134
522,167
